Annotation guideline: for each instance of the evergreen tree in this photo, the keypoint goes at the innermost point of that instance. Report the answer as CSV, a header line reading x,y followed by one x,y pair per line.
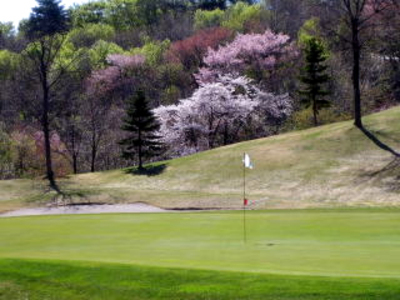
x,y
142,126
47,19
314,77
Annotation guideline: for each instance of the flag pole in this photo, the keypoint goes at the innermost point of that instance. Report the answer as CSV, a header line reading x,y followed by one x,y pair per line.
x,y
244,199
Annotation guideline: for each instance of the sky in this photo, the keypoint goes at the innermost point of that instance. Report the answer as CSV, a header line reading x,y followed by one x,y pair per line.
x,y
16,10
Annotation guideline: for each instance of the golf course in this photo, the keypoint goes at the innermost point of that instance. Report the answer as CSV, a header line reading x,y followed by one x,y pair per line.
x,y
200,150
324,224
301,254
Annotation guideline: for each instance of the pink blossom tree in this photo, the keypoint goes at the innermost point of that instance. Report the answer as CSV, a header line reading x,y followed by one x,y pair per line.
x,y
105,80
253,54
190,51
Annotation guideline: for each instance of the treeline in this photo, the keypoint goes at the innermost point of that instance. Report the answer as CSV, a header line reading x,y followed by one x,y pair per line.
x,y
214,72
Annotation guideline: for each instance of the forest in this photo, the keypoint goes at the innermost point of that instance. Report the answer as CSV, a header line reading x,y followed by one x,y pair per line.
x,y
210,72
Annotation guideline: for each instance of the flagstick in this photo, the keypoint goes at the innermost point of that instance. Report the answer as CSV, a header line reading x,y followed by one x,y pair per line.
x,y
244,200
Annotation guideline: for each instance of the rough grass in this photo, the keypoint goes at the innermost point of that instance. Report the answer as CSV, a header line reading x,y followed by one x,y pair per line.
x,y
328,166
301,254
47,280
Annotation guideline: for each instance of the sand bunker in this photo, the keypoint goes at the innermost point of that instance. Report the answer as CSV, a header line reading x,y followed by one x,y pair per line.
x,y
85,209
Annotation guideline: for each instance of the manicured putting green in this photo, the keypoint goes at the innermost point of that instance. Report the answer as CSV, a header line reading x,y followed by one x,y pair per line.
x,y
354,243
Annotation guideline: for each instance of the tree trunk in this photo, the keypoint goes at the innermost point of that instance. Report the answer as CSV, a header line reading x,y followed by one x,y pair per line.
x,y
74,151
75,163
93,159
45,125
94,149
356,73
315,112
140,151
226,134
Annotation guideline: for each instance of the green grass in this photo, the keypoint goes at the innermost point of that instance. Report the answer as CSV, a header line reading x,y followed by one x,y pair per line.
x,y
300,254
327,166
334,243
45,280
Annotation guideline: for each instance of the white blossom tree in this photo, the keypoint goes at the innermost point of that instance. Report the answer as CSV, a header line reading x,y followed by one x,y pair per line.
x,y
217,113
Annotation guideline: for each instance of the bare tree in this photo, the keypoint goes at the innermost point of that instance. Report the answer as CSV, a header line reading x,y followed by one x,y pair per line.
x,y
358,16
46,27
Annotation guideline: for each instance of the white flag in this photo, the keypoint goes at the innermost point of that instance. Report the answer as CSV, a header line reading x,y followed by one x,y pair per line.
x,y
247,162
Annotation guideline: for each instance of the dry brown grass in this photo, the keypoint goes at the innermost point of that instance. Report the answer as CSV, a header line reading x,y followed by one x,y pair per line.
x,y
328,166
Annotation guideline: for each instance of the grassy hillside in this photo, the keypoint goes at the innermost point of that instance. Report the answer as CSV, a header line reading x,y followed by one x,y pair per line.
x,y
333,165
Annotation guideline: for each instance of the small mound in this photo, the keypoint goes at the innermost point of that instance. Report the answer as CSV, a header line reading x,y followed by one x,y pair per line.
x,y
85,209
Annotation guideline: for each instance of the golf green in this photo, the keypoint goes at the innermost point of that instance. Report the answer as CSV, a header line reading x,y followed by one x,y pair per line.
x,y
354,243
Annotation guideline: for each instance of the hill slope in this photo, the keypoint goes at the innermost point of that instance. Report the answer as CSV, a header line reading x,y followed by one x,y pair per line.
x,y
333,165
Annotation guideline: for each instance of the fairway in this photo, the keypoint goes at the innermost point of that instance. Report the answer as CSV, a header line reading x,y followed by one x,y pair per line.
x,y
356,250
332,243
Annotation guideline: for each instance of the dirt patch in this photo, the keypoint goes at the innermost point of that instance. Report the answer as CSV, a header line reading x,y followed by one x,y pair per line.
x,y
85,209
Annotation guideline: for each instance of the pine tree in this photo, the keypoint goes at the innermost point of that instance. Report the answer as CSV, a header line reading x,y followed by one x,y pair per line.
x,y
142,126
314,77
47,19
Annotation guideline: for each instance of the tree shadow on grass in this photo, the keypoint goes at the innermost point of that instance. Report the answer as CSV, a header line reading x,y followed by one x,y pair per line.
x,y
373,137
151,170
66,195
388,176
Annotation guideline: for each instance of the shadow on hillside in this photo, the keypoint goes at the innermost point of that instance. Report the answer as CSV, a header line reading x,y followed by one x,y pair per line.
x,y
373,137
65,195
387,177
386,135
148,170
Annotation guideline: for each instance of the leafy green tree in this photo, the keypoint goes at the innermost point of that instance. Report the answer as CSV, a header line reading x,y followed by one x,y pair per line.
x,y
88,13
89,34
99,52
153,50
8,66
310,29
314,77
142,126
240,14
46,28
208,18
235,17
7,35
